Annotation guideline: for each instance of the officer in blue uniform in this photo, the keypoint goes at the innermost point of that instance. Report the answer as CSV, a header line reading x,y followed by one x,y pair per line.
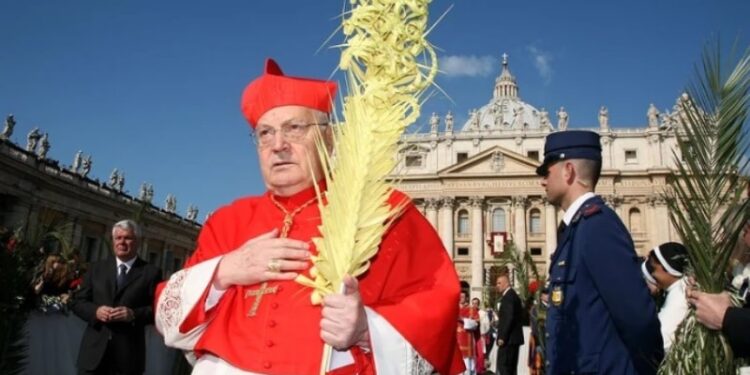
x,y
601,319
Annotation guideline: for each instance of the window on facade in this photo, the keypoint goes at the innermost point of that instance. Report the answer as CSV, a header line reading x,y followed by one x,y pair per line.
x,y
634,219
536,251
463,251
631,157
168,259
104,252
688,148
463,223
153,259
176,264
6,203
535,221
461,156
498,220
413,160
89,248
533,154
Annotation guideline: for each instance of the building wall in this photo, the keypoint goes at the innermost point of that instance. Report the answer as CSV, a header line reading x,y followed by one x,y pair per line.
x,y
33,190
442,188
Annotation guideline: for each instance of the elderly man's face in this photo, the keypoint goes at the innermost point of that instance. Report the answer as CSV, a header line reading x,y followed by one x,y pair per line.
x,y
125,244
287,165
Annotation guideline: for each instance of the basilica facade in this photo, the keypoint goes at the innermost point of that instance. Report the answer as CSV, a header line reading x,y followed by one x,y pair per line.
x,y
476,183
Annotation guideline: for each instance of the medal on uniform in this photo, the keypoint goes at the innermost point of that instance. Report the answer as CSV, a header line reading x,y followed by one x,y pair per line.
x,y
557,296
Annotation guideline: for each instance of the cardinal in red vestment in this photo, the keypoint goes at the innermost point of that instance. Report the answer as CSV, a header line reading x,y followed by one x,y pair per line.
x,y
468,327
235,306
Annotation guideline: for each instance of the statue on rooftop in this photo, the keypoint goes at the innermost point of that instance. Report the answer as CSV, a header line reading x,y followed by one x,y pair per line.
x,y
32,139
653,116
86,168
44,147
603,118
449,122
10,123
434,123
562,119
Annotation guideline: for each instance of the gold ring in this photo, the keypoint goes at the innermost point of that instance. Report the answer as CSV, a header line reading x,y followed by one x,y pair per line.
x,y
274,265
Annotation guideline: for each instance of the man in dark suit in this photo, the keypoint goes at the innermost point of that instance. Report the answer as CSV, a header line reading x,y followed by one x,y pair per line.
x,y
509,327
115,300
601,318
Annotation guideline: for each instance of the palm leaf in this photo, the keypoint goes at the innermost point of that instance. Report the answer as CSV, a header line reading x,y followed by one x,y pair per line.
x,y
384,83
706,198
388,64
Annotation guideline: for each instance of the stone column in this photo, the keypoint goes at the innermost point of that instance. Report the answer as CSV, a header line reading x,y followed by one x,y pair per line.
x,y
477,246
607,155
519,232
76,233
655,141
431,205
615,202
144,247
550,228
446,223
660,223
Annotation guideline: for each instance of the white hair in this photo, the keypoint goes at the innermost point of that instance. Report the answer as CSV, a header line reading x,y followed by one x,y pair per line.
x,y
128,225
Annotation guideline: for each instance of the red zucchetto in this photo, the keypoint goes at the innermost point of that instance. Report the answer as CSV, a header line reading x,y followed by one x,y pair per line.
x,y
274,89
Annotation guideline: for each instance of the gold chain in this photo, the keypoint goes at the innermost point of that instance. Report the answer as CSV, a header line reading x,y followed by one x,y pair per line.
x,y
289,216
264,289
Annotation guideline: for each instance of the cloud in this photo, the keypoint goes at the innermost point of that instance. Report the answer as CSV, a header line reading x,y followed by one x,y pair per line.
x,y
469,66
542,61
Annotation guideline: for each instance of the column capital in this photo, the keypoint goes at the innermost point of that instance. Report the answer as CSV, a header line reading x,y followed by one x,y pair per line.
x,y
476,201
431,203
655,138
613,200
546,201
447,202
520,201
657,200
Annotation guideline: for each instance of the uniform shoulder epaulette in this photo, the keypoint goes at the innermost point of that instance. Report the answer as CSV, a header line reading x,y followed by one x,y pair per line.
x,y
591,209
586,211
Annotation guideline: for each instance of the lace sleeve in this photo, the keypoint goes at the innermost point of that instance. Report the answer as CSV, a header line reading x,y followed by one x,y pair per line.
x,y
415,364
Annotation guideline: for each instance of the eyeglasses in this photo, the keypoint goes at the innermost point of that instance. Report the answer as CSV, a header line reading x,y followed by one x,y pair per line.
x,y
265,136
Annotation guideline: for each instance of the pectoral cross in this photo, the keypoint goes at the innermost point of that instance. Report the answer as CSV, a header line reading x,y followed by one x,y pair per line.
x,y
258,294
287,225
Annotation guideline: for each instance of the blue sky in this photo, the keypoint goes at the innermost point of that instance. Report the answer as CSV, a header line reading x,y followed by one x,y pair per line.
x,y
152,87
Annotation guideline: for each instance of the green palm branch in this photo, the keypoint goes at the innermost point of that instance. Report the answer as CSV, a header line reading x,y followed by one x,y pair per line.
x,y
524,270
706,199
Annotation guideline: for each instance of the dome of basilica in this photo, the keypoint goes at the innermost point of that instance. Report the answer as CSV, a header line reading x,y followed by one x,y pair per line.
x,y
506,111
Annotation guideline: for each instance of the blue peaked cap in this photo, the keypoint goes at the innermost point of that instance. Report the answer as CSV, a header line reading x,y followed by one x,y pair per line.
x,y
570,144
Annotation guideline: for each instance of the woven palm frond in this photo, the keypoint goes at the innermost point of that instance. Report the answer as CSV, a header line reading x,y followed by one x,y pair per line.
x,y
383,56
388,64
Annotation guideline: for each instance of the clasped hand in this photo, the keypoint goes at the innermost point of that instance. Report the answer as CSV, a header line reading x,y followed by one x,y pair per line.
x,y
249,264
109,314
344,321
